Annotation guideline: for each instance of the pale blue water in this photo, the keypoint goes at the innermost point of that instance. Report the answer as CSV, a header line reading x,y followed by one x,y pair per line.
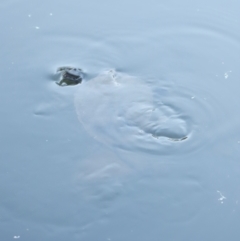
x,y
83,162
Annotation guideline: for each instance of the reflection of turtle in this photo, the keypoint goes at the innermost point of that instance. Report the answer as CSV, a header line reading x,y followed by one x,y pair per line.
x,y
69,76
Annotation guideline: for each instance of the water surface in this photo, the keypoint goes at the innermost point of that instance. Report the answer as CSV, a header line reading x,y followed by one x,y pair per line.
x,y
100,178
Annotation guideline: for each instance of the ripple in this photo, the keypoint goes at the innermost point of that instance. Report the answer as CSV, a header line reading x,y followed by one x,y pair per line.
x,y
152,116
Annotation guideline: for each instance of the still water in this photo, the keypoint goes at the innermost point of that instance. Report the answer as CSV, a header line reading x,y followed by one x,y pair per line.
x,y
147,147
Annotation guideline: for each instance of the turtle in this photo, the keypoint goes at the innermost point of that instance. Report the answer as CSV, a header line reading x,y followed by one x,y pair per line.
x,y
69,76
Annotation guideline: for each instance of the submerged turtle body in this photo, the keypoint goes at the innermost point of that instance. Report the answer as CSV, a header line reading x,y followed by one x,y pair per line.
x,y
127,112
69,76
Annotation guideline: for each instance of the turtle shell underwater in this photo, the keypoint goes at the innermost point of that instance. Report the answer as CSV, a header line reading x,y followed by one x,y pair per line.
x,y
125,111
